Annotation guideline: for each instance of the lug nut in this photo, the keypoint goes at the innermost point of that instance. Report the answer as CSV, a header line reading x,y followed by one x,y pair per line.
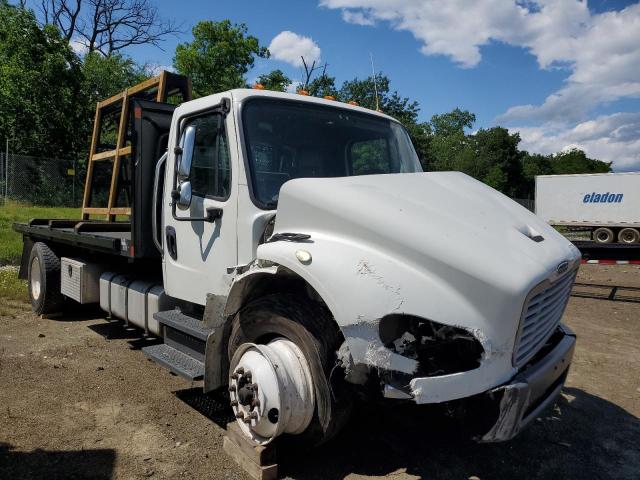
x,y
253,415
240,415
247,419
232,388
234,376
234,403
240,370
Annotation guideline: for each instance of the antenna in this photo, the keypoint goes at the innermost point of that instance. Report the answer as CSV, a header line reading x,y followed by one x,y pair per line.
x,y
375,82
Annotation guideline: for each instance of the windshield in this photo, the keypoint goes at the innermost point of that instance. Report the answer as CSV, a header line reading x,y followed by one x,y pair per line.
x,y
289,139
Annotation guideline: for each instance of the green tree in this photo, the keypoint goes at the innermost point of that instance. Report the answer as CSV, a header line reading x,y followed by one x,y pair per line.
x,y
532,166
40,86
323,86
275,80
219,56
452,122
449,148
576,161
496,150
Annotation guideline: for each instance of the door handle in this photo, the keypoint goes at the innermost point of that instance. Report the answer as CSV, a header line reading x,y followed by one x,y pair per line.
x,y
157,232
172,242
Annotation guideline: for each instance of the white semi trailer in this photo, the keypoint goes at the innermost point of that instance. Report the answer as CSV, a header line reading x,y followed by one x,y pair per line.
x,y
292,250
605,204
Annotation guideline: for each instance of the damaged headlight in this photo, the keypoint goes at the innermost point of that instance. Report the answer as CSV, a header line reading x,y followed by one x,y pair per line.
x,y
439,349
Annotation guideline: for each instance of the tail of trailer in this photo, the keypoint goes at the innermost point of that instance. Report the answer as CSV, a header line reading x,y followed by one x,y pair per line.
x,y
607,204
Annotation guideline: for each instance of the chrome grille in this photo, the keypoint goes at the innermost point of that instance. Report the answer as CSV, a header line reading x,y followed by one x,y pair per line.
x,y
542,313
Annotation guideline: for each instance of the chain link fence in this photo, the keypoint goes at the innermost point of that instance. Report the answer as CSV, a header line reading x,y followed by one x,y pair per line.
x,y
59,182
41,181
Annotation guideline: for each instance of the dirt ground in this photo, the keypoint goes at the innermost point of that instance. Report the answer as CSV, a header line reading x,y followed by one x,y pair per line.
x,y
79,400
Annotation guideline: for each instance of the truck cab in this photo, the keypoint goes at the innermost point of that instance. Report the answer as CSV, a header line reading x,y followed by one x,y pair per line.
x,y
303,257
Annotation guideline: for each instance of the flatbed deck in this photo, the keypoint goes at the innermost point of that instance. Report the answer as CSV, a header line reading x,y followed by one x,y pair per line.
x,y
607,251
106,237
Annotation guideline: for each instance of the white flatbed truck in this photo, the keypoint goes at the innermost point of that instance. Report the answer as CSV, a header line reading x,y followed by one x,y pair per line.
x,y
291,249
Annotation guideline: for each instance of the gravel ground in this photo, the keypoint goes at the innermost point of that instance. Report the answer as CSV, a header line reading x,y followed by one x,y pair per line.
x,y
79,400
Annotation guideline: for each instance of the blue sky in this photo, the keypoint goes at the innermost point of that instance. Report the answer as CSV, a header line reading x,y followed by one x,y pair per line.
x,y
561,72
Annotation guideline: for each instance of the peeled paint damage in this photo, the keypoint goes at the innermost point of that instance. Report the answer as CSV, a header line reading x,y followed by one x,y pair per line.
x,y
363,349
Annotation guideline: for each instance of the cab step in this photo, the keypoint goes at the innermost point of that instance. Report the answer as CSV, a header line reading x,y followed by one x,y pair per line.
x,y
176,361
185,340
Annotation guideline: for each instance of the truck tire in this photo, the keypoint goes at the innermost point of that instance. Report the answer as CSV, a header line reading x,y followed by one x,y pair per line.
x,y
314,334
603,235
628,235
44,280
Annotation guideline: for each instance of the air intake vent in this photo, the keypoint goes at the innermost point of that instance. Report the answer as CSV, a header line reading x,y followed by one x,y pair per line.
x,y
541,315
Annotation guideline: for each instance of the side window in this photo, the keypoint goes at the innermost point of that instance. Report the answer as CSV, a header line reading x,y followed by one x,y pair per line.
x,y
370,157
210,167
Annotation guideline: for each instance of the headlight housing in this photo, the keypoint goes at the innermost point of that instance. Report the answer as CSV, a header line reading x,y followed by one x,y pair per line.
x,y
439,349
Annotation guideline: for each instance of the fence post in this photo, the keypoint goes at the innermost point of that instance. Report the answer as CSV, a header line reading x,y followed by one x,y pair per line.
x,y
6,183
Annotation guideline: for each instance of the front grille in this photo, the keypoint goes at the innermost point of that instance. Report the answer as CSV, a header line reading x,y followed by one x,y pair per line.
x,y
541,315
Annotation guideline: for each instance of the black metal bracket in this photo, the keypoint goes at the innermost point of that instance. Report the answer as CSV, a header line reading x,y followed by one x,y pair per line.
x,y
289,237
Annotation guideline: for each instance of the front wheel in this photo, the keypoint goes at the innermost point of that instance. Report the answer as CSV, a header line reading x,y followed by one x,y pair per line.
x,y
282,355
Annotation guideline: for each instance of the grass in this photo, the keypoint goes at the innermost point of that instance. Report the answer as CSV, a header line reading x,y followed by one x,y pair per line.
x,y
10,241
13,293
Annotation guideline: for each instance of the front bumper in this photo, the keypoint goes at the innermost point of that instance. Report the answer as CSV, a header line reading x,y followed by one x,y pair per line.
x,y
532,390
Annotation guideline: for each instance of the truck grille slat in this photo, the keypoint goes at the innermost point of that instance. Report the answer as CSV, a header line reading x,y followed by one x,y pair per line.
x,y
537,302
541,315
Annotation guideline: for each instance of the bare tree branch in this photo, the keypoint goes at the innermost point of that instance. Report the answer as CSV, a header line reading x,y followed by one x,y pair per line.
x,y
108,26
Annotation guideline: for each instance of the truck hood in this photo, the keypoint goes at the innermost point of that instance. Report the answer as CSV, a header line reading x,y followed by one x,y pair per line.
x,y
444,216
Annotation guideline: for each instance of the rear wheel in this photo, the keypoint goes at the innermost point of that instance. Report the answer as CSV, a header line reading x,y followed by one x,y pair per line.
x,y
603,235
629,235
44,280
282,353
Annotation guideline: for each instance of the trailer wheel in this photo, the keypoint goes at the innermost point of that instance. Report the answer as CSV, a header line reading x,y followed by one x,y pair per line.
x,y
603,235
283,376
44,280
628,235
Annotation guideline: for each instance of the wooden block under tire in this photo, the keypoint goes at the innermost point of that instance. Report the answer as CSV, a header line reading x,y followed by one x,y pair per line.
x,y
247,455
260,454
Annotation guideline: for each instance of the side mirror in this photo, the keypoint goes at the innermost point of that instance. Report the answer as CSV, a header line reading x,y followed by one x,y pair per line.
x,y
187,144
183,202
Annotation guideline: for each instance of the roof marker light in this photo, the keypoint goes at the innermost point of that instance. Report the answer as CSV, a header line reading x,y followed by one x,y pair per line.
x,y
258,86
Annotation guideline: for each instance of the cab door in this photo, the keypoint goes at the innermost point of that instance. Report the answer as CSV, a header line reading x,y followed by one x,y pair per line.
x,y
199,241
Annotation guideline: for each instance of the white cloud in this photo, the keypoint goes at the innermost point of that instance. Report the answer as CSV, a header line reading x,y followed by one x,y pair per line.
x,y
289,47
599,51
357,17
612,138
78,46
293,87
157,68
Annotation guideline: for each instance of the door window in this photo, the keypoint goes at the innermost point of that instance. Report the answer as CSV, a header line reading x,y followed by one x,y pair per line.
x,y
210,166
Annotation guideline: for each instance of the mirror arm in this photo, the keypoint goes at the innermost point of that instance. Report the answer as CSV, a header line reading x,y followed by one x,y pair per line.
x,y
213,213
